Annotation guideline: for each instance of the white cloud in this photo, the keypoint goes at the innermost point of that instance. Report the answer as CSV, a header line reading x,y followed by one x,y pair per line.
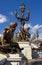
x,y
27,25
36,27
40,36
33,28
0,35
2,18
40,26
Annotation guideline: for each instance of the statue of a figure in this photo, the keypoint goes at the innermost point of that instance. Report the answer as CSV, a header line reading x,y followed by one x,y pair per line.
x,y
24,33
6,40
27,34
21,32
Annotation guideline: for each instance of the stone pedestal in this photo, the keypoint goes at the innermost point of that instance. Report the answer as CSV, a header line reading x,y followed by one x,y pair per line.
x,y
17,59
10,59
27,52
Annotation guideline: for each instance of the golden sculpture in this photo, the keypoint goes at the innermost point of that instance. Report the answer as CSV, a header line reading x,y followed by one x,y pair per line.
x,y
7,45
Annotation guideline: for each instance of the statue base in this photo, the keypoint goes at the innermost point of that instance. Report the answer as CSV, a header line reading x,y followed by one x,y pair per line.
x,y
19,58
10,59
27,52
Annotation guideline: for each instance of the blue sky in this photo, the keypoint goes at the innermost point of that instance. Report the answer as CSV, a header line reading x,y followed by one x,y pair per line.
x,y
7,8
